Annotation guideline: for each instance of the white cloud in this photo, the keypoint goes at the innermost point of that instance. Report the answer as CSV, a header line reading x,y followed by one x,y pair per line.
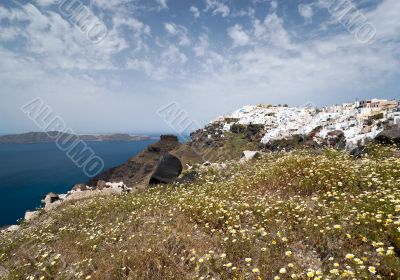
x,y
217,8
178,31
65,46
45,3
271,32
195,11
133,23
140,65
249,12
277,68
202,46
238,35
169,64
12,14
22,80
385,19
111,5
172,55
170,27
163,4
9,33
306,11
274,5
194,66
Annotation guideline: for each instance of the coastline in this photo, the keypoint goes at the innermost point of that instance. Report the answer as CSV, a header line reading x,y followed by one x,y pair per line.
x,y
30,171
53,136
106,183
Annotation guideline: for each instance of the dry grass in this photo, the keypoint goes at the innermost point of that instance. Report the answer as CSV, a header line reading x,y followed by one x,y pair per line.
x,y
289,215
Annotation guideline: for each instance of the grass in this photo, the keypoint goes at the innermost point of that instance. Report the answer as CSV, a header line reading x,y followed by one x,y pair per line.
x,y
297,215
235,144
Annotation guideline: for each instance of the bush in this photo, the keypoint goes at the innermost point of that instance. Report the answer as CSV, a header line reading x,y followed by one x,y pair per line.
x,y
238,128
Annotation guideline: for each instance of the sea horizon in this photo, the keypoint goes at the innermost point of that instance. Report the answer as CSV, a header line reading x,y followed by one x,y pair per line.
x,y
29,171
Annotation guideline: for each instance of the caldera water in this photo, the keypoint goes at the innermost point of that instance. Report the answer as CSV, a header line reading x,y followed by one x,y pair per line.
x,y
29,171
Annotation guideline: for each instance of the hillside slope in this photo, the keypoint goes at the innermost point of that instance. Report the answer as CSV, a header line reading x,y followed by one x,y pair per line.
x,y
136,171
288,215
358,122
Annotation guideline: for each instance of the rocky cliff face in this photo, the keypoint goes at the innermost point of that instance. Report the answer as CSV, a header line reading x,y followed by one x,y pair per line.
x,y
138,169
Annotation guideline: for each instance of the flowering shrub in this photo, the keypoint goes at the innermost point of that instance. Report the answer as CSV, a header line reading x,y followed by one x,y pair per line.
x,y
296,215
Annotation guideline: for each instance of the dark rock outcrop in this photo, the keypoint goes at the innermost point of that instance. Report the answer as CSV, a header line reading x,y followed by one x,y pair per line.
x,y
208,137
188,178
336,139
310,144
358,152
293,142
168,169
286,144
169,137
252,132
137,170
389,136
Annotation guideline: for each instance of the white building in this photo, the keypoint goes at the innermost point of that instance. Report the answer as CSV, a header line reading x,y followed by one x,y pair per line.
x,y
283,121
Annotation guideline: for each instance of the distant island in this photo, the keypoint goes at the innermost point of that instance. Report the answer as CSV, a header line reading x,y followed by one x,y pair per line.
x,y
48,137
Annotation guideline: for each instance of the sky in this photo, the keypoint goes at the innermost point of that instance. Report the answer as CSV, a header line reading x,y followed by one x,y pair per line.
x,y
108,66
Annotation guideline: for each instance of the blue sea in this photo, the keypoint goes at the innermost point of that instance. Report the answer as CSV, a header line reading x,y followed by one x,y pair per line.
x,y
29,171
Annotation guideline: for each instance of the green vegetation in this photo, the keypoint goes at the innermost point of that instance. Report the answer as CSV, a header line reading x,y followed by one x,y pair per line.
x,y
235,144
291,215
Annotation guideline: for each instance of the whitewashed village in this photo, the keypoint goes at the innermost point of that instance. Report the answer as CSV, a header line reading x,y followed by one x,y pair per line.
x,y
359,121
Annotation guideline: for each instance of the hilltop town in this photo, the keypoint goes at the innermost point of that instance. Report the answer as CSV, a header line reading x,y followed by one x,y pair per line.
x,y
359,121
